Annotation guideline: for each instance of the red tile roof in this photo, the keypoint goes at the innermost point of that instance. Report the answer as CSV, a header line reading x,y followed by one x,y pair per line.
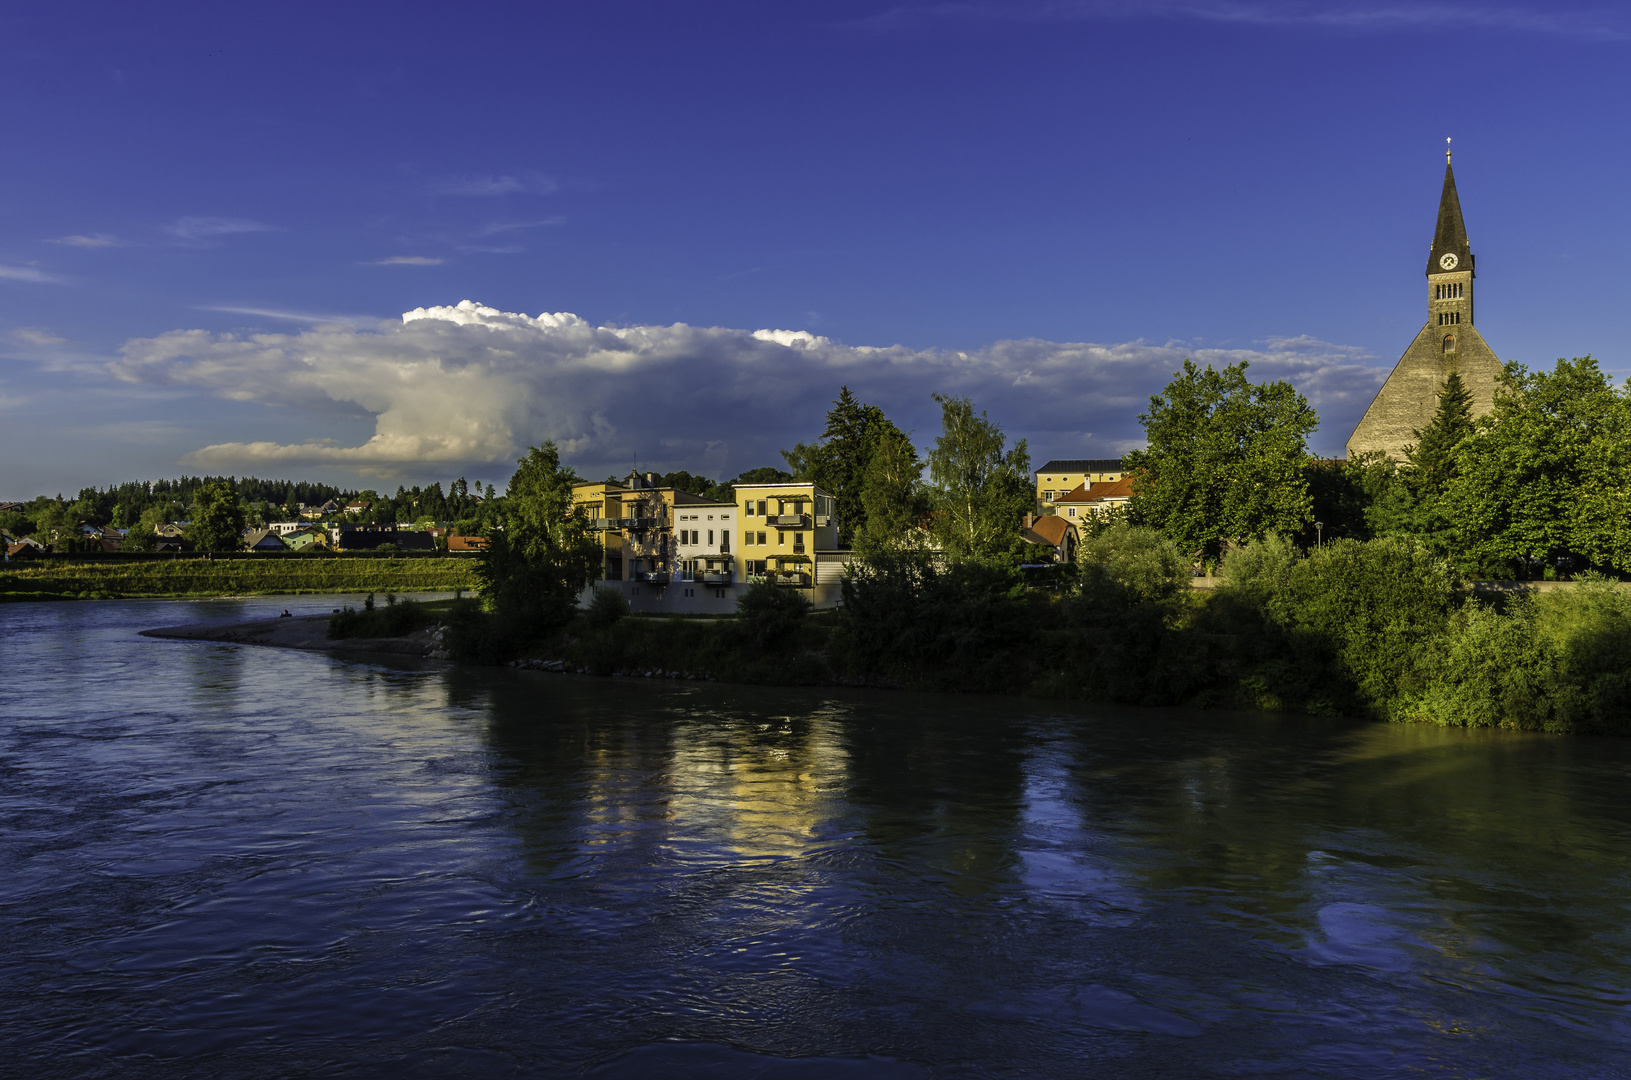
x,y
1052,528
1082,493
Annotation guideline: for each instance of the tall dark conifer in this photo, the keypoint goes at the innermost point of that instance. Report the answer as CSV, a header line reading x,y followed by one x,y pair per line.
x,y
1432,458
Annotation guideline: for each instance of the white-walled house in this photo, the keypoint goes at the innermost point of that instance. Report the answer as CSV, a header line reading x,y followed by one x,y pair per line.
x,y
703,558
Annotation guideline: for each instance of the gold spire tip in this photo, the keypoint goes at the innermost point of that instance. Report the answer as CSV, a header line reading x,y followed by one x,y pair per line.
x,y
1446,151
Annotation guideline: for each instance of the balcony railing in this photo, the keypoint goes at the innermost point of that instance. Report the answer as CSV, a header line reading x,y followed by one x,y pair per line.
x,y
823,520
652,577
606,524
794,578
788,521
714,577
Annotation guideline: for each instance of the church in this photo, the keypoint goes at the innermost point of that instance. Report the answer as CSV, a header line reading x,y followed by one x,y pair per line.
x,y
1407,401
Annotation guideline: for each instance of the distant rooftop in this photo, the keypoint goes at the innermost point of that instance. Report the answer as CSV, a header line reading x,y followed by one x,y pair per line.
x,y
1070,465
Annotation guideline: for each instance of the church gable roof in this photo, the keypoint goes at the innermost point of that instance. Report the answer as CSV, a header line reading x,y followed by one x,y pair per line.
x,y
1451,235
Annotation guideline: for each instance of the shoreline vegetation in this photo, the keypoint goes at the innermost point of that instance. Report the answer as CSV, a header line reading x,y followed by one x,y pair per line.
x,y
131,579
1378,630
1342,588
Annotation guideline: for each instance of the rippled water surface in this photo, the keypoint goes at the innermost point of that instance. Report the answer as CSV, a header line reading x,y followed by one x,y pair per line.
x,y
225,860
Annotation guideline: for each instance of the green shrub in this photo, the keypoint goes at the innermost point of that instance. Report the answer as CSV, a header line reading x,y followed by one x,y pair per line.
x,y
1261,566
771,614
969,626
607,606
1559,661
395,619
1139,562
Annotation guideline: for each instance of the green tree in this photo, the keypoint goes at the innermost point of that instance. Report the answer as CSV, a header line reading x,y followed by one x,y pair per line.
x,y
1432,457
1224,459
1410,500
17,524
539,554
140,537
218,519
1544,477
982,489
894,502
838,461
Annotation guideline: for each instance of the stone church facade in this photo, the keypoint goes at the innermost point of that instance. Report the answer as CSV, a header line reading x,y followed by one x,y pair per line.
x,y
1407,401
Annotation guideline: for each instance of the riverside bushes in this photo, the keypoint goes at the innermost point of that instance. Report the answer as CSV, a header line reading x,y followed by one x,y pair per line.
x,y
1381,628
395,619
63,579
1558,661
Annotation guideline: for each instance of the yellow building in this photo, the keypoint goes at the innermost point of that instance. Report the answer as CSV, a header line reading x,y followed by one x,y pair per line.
x,y
1059,477
658,535
780,530
602,504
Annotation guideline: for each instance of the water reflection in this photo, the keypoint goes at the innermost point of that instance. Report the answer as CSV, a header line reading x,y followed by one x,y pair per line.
x,y
231,860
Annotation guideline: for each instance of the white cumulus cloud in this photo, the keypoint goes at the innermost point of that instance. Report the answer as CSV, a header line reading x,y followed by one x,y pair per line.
x,y
471,385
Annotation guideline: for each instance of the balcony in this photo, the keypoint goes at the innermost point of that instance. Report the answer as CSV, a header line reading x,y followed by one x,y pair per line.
x,y
788,521
823,520
796,579
607,524
652,577
714,577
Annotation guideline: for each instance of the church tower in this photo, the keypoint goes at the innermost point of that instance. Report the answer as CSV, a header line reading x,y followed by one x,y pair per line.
x,y
1407,401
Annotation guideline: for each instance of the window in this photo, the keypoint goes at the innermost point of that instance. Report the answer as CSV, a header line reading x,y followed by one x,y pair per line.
x,y
781,538
762,507
710,537
1449,345
748,509
1047,496
1070,512
761,539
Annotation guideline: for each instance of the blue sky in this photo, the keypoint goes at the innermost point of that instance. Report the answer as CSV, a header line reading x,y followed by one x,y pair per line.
x,y
212,220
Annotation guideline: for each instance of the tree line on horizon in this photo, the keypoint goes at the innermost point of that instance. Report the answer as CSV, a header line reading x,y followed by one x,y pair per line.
x,y
1366,613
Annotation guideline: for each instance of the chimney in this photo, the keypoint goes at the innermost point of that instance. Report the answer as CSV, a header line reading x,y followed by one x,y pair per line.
x,y
1030,519
651,479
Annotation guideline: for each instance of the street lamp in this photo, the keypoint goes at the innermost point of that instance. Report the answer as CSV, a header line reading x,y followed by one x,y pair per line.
x,y
1319,534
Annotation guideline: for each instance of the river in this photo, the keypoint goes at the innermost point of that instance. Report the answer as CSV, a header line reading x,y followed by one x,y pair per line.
x,y
221,860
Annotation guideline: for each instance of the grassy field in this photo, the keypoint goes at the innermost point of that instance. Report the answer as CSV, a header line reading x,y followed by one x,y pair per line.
x,y
65,580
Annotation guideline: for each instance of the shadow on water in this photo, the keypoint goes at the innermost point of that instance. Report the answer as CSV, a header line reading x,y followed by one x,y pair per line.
x,y
219,860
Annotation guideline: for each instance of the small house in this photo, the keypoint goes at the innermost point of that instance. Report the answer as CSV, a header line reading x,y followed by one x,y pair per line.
x,y
264,540
1055,536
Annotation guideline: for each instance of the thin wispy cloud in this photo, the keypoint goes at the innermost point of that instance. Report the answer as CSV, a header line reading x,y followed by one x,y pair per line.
x,y
203,230
472,385
93,240
33,335
406,260
281,315
1564,20
29,274
487,186
492,249
498,227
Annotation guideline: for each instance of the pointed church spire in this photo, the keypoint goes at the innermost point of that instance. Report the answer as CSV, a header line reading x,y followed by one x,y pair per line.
x,y
1450,238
